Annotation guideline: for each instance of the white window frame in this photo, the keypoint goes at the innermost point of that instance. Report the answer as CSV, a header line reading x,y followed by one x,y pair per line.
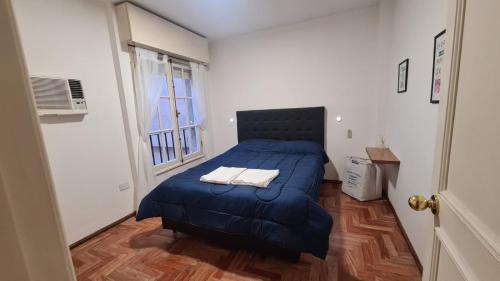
x,y
186,67
176,129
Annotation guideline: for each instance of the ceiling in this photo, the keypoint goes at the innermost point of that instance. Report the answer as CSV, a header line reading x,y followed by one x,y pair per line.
x,y
217,19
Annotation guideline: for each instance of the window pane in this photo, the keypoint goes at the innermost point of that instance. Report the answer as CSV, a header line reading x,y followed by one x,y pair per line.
x,y
156,149
166,114
190,141
195,137
185,142
182,82
185,108
188,82
155,123
177,72
170,147
179,84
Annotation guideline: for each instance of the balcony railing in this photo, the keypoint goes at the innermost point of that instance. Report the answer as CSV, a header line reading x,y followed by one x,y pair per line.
x,y
163,143
162,146
188,144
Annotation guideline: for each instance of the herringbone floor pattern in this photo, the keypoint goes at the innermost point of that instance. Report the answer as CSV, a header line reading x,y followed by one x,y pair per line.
x,y
365,244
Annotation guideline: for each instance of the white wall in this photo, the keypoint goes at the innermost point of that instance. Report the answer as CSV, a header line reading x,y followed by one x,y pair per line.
x,y
408,121
328,62
88,157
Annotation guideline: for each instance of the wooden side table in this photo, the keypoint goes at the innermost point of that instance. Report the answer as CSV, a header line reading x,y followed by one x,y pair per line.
x,y
382,156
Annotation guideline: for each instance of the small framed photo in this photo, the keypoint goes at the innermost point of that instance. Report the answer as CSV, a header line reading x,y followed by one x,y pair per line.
x,y
403,76
437,67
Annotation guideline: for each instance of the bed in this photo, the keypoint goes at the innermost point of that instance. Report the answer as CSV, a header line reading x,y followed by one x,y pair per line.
x,y
283,218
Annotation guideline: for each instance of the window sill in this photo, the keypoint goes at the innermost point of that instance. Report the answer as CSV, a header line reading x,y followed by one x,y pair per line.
x,y
168,168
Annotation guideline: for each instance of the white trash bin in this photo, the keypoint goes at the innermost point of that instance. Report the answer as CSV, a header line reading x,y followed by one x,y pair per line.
x,y
361,180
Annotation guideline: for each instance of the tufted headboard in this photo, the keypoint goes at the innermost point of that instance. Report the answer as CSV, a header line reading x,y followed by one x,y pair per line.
x,y
306,123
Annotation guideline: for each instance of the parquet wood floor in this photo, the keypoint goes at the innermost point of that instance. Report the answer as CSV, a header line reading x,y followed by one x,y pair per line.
x,y
365,244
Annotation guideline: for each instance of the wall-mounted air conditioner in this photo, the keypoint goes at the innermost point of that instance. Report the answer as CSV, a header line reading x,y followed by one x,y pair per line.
x,y
58,96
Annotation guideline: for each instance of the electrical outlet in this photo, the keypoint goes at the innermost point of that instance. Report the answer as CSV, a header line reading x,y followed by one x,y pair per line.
x,y
349,134
123,186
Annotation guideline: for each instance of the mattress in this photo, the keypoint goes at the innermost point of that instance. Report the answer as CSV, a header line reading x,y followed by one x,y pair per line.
x,y
285,213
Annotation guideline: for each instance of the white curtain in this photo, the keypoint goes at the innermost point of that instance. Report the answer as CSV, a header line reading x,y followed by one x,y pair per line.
x,y
199,90
149,82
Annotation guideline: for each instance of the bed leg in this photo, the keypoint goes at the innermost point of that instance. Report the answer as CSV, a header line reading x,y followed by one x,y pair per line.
x,y
164,223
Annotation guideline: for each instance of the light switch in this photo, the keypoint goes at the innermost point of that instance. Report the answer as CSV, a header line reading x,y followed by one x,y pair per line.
x,y
123,186
349,134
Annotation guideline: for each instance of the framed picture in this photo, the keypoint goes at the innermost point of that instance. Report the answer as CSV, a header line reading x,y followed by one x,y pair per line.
x,y
437,66
403,76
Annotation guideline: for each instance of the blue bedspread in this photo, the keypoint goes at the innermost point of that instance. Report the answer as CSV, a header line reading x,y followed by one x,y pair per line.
x,y
285,213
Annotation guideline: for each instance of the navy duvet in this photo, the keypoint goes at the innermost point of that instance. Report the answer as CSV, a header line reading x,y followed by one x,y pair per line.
x,y
285,213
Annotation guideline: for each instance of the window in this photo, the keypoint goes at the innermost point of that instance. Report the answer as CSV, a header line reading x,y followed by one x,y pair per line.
x,y
175,133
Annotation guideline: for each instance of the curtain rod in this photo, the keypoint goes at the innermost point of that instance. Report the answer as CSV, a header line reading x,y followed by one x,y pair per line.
x,y
165,53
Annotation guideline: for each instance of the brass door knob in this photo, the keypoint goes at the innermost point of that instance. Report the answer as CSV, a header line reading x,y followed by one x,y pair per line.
x,y
420,203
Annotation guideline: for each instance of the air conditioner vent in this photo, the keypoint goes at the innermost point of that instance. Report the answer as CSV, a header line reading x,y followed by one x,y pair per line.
x,y
76,88
50,93
58,96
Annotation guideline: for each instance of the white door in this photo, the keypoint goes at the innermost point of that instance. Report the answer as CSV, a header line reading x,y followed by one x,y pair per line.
x,y
466,236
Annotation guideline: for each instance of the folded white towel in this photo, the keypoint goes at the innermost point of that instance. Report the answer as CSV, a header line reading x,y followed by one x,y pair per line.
x,y
222,175
256,177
